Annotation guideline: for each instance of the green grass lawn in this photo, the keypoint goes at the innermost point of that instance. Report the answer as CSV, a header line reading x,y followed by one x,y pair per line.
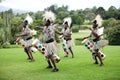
x,y
14,66
81,34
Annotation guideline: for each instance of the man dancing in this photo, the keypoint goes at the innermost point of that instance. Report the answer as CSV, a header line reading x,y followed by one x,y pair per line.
x,y
49,37
95,37
28,39
66,36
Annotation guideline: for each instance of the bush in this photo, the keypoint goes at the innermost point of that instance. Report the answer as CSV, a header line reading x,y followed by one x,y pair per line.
x,y
75,28
113,35
78,41
57,38
12,46
109,23
84,27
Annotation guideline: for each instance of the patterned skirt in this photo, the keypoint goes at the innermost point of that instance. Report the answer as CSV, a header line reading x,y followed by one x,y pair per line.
x,y
51,48
70,43
29,42
100,44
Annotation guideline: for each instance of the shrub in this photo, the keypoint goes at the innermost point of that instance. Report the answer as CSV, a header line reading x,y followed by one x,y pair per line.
x,y
84,27
75,28
109,23
113,35
12,46
78,41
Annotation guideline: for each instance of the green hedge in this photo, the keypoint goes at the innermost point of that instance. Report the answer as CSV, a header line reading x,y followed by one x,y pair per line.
x,y
78,41
75,28
12,46
113,35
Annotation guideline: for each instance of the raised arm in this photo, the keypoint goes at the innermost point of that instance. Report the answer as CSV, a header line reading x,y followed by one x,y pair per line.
x,y
87,37
60,33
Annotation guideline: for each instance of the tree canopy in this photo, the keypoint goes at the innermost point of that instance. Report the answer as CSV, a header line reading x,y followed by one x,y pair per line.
x,y
11,23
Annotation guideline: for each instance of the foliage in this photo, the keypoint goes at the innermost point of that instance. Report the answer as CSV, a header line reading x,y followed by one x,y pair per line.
x,y
112,31
78,41
2,37
5,27
88,14
75,28
113,13
84,27
11,23
101,11
16,27
79,20
1,21
113,35
57,38
12,46
110,23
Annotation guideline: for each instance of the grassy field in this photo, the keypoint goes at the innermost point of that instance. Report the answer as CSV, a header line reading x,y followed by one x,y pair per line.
x,y
81,34
14,66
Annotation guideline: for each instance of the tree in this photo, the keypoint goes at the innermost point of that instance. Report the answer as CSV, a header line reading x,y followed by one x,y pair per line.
x,y
77,17
62,12
101,11
109,26
118,14
38,15
112,13
94,9
110,23
16,27
88,14
114,35
52,8
79,20
1,22
2,36
6,26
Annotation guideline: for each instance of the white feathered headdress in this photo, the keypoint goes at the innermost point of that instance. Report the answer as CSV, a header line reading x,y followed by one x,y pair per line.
x,y
99,20
29,19
49,15
68,20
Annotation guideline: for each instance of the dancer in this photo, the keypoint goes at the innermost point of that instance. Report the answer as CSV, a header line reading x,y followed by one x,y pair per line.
x,y
95,37
66,36
49,37
27,37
